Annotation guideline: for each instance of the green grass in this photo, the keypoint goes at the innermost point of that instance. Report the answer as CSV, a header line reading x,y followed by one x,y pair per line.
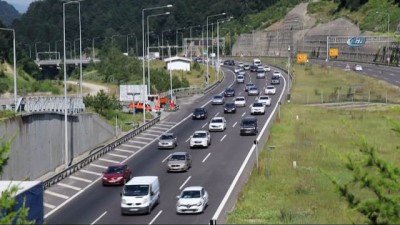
x,y
319,141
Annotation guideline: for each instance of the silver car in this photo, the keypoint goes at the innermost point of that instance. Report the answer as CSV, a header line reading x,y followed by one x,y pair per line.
x,y
167,140
218,100
253,91
179,161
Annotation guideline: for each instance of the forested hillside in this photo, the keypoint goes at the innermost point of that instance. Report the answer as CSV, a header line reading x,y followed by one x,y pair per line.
x,y
8,13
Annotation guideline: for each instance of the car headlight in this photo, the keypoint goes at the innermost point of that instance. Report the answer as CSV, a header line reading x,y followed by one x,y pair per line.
x,y
123,202
145,201
199,203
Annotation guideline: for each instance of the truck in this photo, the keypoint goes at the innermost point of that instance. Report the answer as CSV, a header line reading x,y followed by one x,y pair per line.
x,y
32,193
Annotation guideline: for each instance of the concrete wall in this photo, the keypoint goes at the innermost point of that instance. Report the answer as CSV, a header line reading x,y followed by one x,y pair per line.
x,y
38,147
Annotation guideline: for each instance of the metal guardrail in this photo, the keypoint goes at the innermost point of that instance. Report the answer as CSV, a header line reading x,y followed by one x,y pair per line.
x,y
97,154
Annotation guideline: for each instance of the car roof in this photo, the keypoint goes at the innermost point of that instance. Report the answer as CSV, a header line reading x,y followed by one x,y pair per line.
x,y
240,97
218,117
270,86
249,118
168,134
217,96
116,166
263,96
178,153
200,131
193,188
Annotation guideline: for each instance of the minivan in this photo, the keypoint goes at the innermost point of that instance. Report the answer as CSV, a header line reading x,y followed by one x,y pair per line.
x,y
140,195
249,126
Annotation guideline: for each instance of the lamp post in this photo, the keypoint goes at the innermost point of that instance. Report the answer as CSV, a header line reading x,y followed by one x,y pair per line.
x,y
220,21
148,51
30,50
127,42
176,35
221,14
190,38
162,42
143,42
15,66
93,55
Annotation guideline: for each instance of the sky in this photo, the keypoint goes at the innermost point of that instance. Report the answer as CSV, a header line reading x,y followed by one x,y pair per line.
x,y
20,5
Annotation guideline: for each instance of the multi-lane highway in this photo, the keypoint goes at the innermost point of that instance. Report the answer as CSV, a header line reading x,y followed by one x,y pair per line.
x,y
83,200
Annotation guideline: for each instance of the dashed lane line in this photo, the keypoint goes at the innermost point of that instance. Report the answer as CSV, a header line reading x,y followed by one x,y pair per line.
x,y
204,125
140,142
109,160
123,150
208,155
80,179
56,194
90,172
145,138
184,183
153,135
69,186
118,155
234,124
98,166
132,146
47,205
223,138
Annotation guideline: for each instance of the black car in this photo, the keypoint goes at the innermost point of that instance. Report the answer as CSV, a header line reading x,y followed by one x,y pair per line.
x,y
253,68
230,108
249,126
229,62
229,92
199,113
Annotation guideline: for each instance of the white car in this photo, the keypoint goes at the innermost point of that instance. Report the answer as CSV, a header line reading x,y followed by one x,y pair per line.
x,y
358,68
257,108
241,65
270,90
240,79
217,124
260,74
192,199
267,68
240,101
200,138
277,73
265,100
237,69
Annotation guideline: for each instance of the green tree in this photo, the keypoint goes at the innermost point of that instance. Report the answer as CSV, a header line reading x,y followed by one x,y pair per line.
x,y
101,103
374,190
8,214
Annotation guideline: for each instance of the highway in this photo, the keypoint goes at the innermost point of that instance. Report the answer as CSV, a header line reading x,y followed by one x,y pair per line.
x,y
213,168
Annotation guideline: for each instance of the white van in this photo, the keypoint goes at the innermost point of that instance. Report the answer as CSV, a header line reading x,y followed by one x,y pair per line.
x,y
140,195
257,62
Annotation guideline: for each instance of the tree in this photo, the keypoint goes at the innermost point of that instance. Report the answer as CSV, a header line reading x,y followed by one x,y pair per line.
x,y
374,190
8,214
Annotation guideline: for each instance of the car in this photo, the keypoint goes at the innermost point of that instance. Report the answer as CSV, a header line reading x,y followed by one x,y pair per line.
x,y
179,161
237,69
242,72
241,65
253,68
275,79
217,123
257,62
260,67
199,113
240,101
249,125
253,91
117,175
218,100
248,85
193,199
167,140
246,67
270,89
240,79
229,62
230,108
264,99
257,108
277,73
260,74
229,92
358,67
200,138
267,68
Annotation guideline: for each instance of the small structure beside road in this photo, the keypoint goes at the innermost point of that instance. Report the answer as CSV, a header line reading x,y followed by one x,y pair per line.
x,y
178,63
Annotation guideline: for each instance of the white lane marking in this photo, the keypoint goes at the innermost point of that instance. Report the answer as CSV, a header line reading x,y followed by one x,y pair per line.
x,y
154,219
118,155
163,125
172,123
98,179
123,150
160,128
154,135
204,125
49,205
187,139
391,74
216,114
139,142
56,194
240,93
234,124
223,138
90,172
133,146
156,131
208,155
145,138
69,186
243,114
98,166
184,183
98,218
81,179
109,160
166,158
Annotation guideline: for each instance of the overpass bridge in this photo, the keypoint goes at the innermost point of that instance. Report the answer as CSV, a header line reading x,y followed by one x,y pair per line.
x,y
69,62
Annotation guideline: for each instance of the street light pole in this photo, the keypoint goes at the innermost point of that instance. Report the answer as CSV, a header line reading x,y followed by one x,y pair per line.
x,y
190,39
15,66
221,14
162,42
93,55
143,69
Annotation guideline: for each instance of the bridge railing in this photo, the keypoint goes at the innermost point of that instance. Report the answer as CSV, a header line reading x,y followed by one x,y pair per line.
x,y
52,104
97,154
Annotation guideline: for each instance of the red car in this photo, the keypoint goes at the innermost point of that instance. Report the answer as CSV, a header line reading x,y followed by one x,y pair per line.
x,y
117,175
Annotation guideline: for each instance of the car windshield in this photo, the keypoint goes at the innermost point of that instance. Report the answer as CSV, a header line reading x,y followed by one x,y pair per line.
x,y
269,87
264,98
256,104
260,71
167,137
199,135
239,99
230,105
177,157
240,77
136,190
217,97
248,122
113,169
216,121
249,85
253,88
199,110
190,194
229,89
275,77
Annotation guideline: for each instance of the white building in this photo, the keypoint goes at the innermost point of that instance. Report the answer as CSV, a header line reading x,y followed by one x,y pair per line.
x,y
178,63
